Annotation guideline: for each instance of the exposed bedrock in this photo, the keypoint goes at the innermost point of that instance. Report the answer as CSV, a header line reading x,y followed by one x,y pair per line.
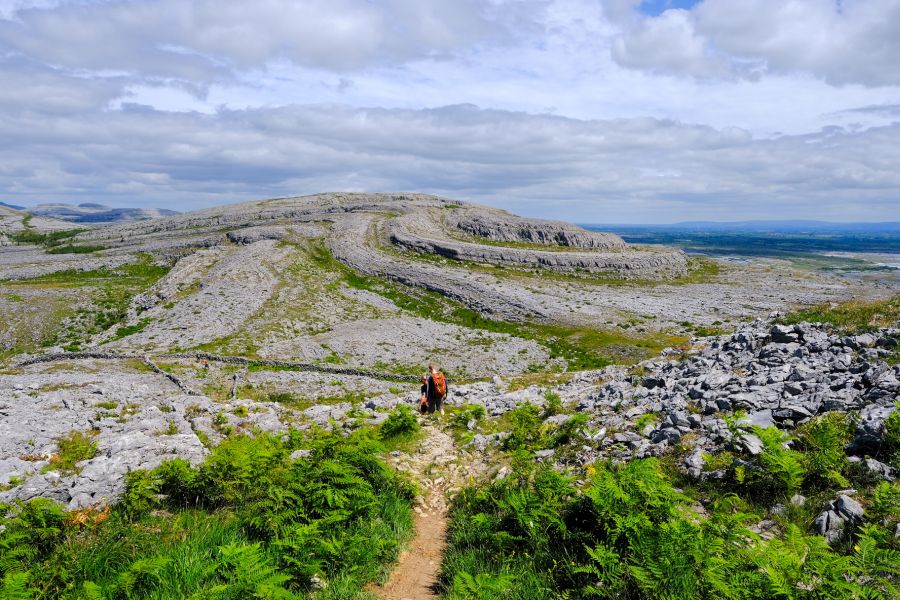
x,y
780,376
504,227
425,224
421,231
348,244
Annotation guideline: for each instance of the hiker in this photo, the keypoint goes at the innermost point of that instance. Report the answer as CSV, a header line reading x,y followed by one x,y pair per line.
x,y
435,390
423,400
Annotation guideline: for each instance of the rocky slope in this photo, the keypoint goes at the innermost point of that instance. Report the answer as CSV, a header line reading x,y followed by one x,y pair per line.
x,y
775,375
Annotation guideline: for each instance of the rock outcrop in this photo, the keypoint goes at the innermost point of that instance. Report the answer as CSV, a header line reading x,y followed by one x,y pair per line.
x,y
423,232
504,227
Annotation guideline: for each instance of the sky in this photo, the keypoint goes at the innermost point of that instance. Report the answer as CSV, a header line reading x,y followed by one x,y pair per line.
x,y
593,111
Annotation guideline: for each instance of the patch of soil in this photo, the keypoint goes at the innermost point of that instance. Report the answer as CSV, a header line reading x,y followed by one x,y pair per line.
x,y
417,568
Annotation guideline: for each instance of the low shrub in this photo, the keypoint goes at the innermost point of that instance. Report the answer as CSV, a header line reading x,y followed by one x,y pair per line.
x,y
248,522
554,403
472,412
401,422
891,444
525,427
824,440
632,534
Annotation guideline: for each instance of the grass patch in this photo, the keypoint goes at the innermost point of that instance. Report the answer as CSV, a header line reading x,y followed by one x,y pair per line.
x,y
53,238
75,249
54,241
72,448
127,330
109,291
853,316
14,482
540,379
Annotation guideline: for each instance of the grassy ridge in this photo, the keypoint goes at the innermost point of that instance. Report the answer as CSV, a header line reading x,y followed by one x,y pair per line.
x,y
54,241
853,316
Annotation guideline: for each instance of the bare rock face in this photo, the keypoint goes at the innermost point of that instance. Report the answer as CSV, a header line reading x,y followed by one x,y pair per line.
x,y
423,232
504,227
252,235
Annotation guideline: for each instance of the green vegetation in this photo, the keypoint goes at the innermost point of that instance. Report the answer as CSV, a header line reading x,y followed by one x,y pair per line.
x,y
105,295
554,403
644,420
643,531
891,445
471,412
631,533
127,330
50,239
401,424
73,249
250,522
823,440
54,241
580,347
14,482
853,316
74,447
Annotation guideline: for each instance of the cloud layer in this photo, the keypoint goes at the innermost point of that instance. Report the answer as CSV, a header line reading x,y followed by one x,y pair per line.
x,y
850,42
595,112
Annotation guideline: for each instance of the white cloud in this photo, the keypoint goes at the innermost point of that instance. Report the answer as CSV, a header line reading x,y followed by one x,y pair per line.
x,y
587,170
591,111
841,42
204,39
669,43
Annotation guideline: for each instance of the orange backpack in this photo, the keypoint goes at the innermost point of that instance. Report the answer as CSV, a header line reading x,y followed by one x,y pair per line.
x,y
440,384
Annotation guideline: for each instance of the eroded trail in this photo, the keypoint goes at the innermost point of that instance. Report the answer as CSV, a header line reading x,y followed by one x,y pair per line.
x,y
441,470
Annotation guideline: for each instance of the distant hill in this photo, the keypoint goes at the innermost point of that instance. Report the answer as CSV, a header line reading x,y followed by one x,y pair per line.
x,y
761,226
764,238
90,212
790,226
12,206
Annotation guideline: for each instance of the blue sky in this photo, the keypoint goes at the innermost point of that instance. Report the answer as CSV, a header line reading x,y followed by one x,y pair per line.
x,y
587,110
655,7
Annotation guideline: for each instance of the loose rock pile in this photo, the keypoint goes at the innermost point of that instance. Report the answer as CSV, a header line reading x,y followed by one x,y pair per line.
x,y
778,375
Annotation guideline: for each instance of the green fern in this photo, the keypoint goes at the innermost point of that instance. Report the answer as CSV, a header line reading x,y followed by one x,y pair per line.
x,y
824,440
16,586
607,569
92,591
484,586
782,469
248,573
